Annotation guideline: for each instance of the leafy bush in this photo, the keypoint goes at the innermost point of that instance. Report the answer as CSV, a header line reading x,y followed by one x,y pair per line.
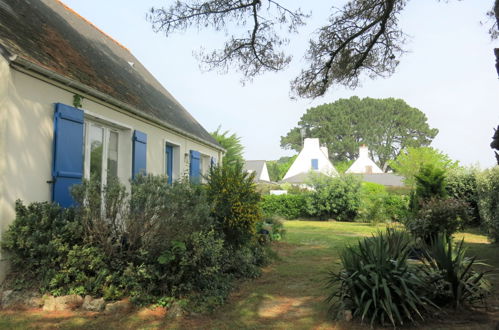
x,y
488,201
377,283
235,203
436,216
377,205
461,183
337,198
38,240
287,206
430,183
450,274
270,229
157,242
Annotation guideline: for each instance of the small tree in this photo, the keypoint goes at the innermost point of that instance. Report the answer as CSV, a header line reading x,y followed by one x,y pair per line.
x,y
411,160
232,145
235,202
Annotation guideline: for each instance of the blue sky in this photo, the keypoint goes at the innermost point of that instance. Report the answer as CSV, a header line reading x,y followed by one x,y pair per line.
x,y
448,73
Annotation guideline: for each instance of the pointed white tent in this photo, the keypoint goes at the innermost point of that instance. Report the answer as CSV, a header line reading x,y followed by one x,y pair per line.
x,y
312,157
364,164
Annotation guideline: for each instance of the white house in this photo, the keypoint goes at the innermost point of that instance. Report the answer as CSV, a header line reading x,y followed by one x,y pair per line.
x,y
313,158
259,167
364,164
71,96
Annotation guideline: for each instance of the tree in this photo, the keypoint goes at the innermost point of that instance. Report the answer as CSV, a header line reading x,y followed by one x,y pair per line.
x,y
410,162
361,38
495,141
232,145
278,168
347,123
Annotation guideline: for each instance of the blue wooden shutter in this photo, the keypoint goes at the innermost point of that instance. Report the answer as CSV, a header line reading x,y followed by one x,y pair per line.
x,y
169,163
139,153
315,164
194,166
67,167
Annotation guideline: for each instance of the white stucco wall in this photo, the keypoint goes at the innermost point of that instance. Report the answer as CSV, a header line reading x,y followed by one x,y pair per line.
x,y
364,164
264,176
303,163
26,139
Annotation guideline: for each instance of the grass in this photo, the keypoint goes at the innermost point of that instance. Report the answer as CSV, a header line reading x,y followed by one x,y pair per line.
x,y
289,295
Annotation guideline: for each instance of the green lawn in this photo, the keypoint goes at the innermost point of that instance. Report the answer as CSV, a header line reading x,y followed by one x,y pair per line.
x,y
289,295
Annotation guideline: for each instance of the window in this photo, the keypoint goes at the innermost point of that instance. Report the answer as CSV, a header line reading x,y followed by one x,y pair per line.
x,y
169,162
101,152
315,164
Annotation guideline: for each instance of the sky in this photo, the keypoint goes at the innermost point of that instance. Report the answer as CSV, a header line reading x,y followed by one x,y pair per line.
x,y
448,73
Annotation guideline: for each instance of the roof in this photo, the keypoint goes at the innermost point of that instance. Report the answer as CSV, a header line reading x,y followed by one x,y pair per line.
x,y
302,178
52,37
254,166
386,179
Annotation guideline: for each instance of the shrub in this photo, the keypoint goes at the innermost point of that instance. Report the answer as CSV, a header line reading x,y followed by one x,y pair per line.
x,y
287,206
377,205
488,201
270,229
337,198
430,183
437,215
461,183
35,240
235,203
377,283
450,274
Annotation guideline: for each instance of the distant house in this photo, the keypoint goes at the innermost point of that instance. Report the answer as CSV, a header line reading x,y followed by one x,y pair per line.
x,y
75,103
312,158
364,164
259,167
370,172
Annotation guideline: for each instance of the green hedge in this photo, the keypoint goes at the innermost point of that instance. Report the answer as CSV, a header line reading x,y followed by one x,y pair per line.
x,y
488,201
287,206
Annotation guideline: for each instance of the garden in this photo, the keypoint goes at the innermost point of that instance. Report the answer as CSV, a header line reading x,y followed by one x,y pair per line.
x,y
218,255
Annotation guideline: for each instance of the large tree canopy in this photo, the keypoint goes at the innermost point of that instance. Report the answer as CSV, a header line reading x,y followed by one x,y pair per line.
x,y
411,160
386,126
362,37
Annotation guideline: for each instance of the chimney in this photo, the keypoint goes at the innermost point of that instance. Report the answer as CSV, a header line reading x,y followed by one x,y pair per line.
x,y
363,151
311,143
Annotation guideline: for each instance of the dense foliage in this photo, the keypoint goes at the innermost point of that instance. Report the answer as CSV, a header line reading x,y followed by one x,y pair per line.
x,y
154,242
461,184
278,168
488,201
378,205
347,123
235,202
288,206
379,284
437,215
410,161
334,197
451,278
232,145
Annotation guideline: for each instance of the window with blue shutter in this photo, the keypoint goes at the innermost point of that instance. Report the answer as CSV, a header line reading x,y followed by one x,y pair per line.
x,y
139,153
315,164
213,161
169,163
195,166
67,167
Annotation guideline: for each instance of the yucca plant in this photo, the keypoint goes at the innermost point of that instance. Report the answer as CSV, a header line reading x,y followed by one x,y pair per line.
x,y
451,275
377,283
